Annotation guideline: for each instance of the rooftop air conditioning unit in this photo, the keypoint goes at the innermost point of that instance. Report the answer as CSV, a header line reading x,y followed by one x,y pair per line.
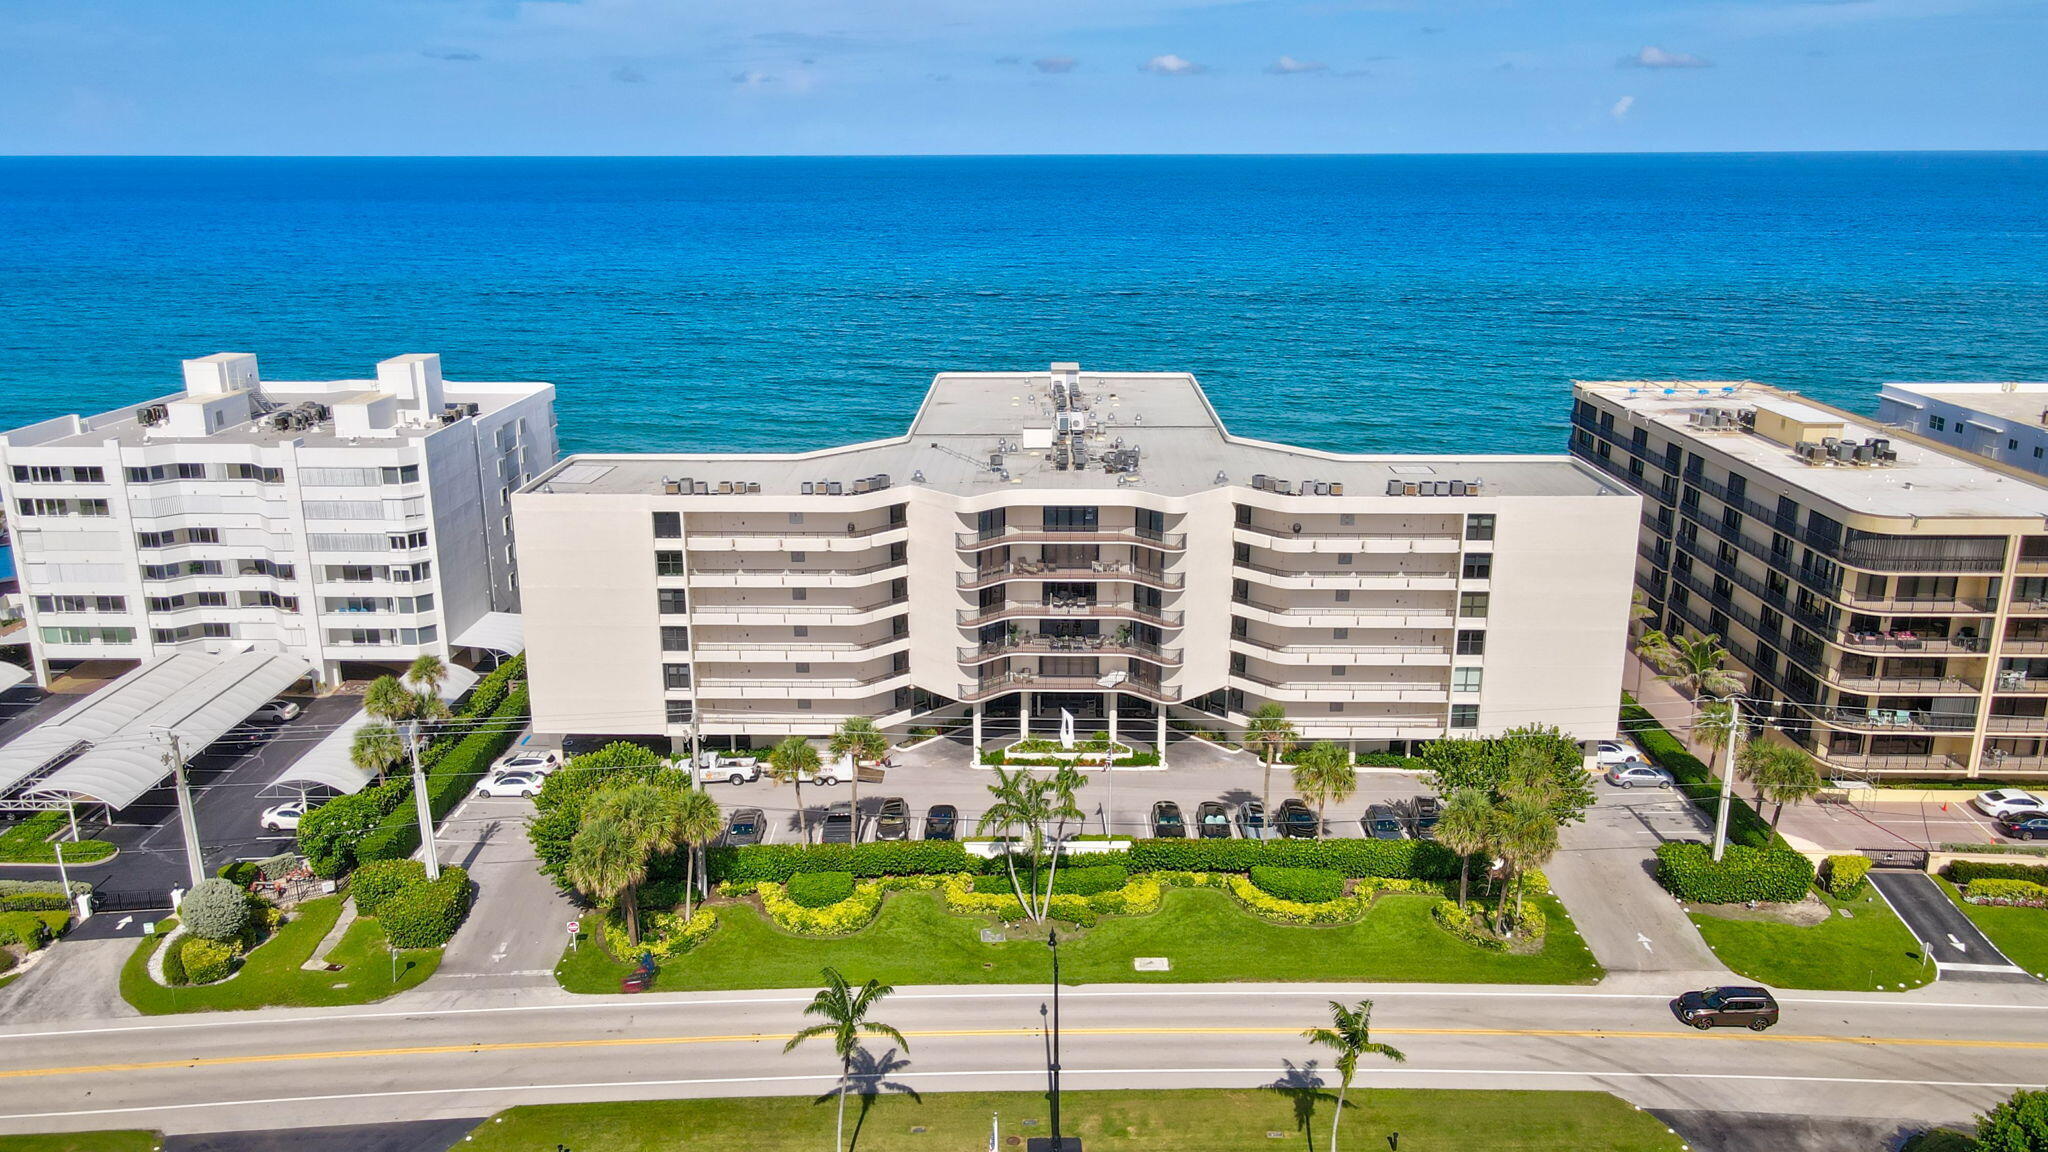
x,y
671,487
1336,489
1394,488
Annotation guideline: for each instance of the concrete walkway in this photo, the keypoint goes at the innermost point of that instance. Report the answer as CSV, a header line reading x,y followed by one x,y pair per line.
x,y
1605,872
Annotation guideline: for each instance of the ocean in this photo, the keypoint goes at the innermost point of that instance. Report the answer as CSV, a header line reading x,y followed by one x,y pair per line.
x,y
1369,304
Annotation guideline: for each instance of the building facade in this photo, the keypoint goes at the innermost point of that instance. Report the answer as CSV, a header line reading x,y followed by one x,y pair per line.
x,y
1093,544
1886,592
2002,421
343,521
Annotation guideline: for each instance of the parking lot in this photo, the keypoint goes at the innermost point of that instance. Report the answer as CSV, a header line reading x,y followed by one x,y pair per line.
x,y
1881,818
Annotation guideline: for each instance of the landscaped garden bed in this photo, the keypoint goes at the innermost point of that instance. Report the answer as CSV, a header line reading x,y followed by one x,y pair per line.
x,y
35,840
2008,903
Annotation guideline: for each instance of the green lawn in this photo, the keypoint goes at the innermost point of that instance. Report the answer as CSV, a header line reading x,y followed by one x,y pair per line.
x,y
1871,950
28,842
1176,1121
23,923
124,1141
1202,932
272,978
2020,933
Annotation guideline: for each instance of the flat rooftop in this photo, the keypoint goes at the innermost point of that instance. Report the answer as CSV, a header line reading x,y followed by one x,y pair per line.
x,y
2019,401
1924,482
968,419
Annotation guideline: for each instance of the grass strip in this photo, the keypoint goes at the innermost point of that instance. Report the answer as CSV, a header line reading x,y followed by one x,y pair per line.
x,y
271,976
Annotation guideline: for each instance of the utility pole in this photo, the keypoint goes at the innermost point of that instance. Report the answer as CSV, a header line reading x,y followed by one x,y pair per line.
x,y
1727,779
421,804
195,864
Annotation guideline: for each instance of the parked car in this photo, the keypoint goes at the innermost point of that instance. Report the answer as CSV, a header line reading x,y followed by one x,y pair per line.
x,y
892,819
1381,822
2006,802
1297,821
1166,821
1428,812
2023,826
1606,752
838,827
540,763
1251,820
732,770
745,826
276,712
1212,820
1728,1007
940,821
1636,774
511,784
285,817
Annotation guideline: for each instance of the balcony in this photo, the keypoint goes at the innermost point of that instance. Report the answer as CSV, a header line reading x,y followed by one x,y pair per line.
x,y
1997,724
1349,616
1900,720
794,651
1143,537
1920,605
817,688
793,577
2019,682
1348,540
1992,764
749,722
1907,686
1931,764
1107,571
1034,644
1085,609
826,537
767,614
1329,688
1431,655
1025,681
1898,642
1338,578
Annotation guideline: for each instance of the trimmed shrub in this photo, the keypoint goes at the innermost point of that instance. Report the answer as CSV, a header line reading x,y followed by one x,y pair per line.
x,y
847,916
1745,827
1772,875
1411,859
778,862
174,962
1967,872
330,834
2011,893
1071,881
206,961
820,889
374,884
34,902
1390,760
427,915
663,935
240,873
215,910
1301,885
30,930
1844,875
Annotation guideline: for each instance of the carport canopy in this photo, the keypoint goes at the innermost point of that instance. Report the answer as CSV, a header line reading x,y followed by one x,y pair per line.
x,y
502,632
109,748
11,675
328,764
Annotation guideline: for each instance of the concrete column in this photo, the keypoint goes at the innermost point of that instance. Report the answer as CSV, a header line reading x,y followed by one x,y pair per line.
x,y
977,733
1112,721
1162,735
1024,716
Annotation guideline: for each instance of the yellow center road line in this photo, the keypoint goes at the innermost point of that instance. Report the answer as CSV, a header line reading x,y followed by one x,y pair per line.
x,y
960,1033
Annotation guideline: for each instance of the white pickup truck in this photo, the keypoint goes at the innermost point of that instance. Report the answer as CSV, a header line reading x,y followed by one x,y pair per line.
x,y
713,767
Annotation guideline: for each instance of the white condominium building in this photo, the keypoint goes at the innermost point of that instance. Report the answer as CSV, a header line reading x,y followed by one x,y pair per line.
x,y
338,521
2006,421
1091,543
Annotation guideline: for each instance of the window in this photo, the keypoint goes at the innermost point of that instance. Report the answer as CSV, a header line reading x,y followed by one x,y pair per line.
x,y
1479,566
1937,423
1464,715
213,599
2012,445
675,675
668,525
1471,642
400,541
149,475
1473,604
799,593
1465,679
674,601
1336,707
45,474
1479,527
1343,596
668,564
89,475
403,474
1076,519
155,539
679,711
191,471
675,638
256,472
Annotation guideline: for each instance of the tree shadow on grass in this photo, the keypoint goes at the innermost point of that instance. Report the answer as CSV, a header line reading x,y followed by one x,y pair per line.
x,y
1302,1085
870,1076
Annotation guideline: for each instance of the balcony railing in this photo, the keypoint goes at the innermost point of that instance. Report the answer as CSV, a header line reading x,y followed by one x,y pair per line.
x,y
1021,681
1288,533
713,650
1070,645
714,685
1996,723
1345,610
1913,685
2023,644
1119,571
2019,682
1101,610
1995,764
819,611
1145,537
1900,720
1902,763
1359,579
1346,649
783,577
1328,688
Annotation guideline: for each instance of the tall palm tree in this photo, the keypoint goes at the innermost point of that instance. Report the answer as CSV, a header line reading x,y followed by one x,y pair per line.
x,y
375,749
843,1013
858,739
697,822
789,762
1019,801
608,864
1466,828
1639,613
1782,774
1272,734
1062,804
429,672
1525,835
1323,774
1349,1036
1693,665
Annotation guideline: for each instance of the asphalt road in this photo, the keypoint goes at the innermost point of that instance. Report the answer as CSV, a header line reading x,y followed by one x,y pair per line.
x,y
1922,1058
1960,950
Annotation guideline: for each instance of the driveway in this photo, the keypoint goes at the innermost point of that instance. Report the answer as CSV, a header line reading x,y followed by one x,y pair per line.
x,y
1605,872
1961,952
519,925
1879,818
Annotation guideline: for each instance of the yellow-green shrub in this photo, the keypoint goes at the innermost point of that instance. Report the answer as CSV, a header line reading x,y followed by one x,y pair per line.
x,y
662,934
1844,875
1342,910
2015,893
207,961
848,916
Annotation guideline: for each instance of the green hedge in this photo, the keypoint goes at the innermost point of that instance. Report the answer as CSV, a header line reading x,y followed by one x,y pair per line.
x,y
1844,875
450,777
1965,871
1699,785
1773,875
240,873
34,902
375,883
174,962
1301,885
1071,880
427,915
330,834
2015,893
206,961
778,862
1390,760
1393,859
820,889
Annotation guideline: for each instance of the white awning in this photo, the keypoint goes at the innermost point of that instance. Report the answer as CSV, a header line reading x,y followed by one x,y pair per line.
x,y
328,764
109,748
496,632
458,681
11,675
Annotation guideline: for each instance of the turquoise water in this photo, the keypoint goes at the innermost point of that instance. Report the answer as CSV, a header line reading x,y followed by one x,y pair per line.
x,y
1357,303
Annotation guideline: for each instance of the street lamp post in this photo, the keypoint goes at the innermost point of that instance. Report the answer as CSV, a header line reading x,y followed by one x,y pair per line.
x,y
1058,1143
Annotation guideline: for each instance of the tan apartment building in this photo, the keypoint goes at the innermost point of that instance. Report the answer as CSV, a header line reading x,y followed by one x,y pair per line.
x,y
1886,591
1087,543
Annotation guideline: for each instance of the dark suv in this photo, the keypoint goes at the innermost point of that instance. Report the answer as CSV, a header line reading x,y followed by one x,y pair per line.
x,y
1730,1007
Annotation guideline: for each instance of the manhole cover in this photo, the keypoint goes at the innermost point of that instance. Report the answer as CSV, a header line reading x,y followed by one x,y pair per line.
x,y
1151,964
991,936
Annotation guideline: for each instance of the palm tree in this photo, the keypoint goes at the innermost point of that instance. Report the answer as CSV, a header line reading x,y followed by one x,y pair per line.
x,y
1324,774
1466,828
1782,774
1019,800
1061,805
858,739
697,822
1272,734
1694,666
1525,835
607,863
789,762
1349,1036
844,1015
375,749
1639,612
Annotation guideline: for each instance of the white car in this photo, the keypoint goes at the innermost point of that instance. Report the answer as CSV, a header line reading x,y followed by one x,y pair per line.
x,y
538,763
2007,802
285,817
277,712
511,784
735,770
1607,753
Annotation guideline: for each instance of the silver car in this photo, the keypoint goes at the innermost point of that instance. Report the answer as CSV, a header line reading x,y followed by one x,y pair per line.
x,y
1636,774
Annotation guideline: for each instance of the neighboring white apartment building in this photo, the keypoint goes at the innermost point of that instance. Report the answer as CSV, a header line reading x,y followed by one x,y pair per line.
x,y
2006,421
342,521
1093,543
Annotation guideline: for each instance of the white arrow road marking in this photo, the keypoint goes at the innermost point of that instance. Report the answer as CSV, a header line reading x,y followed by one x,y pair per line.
x,y
1645,942
123,922
1958,945
504,946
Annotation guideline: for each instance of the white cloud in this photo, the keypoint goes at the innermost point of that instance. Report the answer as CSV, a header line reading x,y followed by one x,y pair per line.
x,y
1621,107
1655,57
1289,66
1172,65
1055,65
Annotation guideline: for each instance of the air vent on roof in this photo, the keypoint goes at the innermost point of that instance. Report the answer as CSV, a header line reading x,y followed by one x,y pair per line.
x,y
156,414
1435,487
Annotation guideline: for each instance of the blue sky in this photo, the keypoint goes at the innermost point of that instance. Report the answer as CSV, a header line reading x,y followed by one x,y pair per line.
x,y
510,77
